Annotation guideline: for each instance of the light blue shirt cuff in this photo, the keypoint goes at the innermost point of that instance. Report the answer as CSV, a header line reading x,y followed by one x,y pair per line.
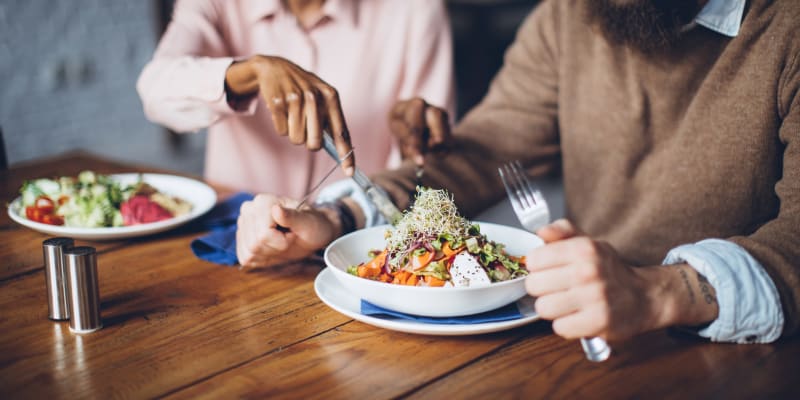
x,y
749,303
348,188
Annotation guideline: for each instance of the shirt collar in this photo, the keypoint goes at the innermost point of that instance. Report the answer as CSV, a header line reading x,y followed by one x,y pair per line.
x,y
722,16
339,10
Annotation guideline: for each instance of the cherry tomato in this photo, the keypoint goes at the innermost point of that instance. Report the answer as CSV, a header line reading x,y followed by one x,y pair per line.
x,y
33,213
43,211
52,219
44,204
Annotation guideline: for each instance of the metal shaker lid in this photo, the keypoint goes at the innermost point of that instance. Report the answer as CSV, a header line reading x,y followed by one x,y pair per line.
x,y
59,242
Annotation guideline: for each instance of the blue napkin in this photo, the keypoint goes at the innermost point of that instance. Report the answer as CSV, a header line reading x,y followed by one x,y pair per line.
x,y
219,246
505,313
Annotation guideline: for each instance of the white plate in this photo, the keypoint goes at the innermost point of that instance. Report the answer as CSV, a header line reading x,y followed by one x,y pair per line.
x,y
338,298
198,193
352,249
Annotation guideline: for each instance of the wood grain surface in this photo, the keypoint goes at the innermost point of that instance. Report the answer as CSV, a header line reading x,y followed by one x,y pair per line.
x,y
179,327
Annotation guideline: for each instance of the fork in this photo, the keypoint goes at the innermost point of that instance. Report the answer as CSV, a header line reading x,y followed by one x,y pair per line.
x,y
533,213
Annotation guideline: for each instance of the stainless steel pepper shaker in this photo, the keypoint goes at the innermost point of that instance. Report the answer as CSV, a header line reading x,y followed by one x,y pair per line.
x,y
56,277
82,286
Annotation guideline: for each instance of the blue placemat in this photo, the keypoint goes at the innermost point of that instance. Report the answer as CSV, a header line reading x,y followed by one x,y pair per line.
x,y
506,313
219,246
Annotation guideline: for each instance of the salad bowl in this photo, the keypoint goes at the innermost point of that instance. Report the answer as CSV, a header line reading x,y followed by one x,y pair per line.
x,y
353,249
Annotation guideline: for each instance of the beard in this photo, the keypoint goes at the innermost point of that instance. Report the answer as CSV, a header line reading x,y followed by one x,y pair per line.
x,y
645,25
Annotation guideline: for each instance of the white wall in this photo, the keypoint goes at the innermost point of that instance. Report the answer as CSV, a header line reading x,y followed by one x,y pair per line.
x,y
68,71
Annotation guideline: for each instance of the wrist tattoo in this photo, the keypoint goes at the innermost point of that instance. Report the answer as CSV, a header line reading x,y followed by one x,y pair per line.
x,y
688,285
706,289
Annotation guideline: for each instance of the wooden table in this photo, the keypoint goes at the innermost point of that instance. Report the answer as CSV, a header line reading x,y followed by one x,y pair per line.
x,y
179,327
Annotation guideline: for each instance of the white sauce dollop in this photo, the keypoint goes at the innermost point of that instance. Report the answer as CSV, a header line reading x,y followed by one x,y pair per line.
x,y
467,271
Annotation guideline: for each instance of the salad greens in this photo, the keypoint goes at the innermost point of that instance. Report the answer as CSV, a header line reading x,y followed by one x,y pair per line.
x,y
97,201
423,245
90,201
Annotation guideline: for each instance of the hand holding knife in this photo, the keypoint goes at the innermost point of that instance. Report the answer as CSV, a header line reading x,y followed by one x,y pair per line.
x,y
384,204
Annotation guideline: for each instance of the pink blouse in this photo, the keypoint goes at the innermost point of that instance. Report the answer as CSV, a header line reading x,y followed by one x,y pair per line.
x,y
374,52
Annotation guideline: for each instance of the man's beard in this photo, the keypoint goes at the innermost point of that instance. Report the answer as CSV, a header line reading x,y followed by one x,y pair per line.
x,y
646,25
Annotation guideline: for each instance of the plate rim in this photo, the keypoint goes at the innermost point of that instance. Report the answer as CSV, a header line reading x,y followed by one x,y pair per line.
x,y
121,232
326,278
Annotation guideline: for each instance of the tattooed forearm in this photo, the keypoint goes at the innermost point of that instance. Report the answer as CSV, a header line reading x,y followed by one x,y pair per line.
x,y
706,289
685,277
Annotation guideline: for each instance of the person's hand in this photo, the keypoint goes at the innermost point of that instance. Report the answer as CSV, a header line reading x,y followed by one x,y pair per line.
x,y
584,287
419,127
301,104
270,231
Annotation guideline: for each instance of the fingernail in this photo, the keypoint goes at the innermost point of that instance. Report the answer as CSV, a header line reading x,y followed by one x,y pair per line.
x,y
562,225
419,159
349,171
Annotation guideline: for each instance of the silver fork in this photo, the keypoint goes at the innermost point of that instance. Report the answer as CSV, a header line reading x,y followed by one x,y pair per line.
x,y
533,213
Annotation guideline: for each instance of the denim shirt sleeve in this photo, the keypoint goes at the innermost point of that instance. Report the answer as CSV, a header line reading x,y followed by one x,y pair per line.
x,y
348,188
749,304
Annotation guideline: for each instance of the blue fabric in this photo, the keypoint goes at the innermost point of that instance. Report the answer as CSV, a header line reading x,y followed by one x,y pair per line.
x,y
506,313
219,246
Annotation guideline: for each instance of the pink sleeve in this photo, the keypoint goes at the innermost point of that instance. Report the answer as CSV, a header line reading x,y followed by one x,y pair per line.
x,y
183,86
430,63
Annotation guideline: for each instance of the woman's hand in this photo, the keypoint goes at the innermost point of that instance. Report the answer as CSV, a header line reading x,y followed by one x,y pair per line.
x,y
301,104
419,127
270,231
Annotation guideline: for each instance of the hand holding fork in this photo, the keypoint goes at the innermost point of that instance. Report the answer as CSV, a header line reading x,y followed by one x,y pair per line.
x,y
533,213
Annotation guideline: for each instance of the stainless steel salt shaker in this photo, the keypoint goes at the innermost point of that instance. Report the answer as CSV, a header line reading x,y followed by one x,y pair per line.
x,y
82,286
56,277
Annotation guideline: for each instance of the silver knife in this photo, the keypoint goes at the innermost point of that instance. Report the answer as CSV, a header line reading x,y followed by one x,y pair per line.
x,y
374,194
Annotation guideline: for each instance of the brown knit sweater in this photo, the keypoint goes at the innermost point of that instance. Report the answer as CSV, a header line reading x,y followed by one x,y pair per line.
x,y
655,151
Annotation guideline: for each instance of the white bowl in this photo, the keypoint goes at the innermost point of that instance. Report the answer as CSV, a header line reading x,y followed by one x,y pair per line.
x,y
352,249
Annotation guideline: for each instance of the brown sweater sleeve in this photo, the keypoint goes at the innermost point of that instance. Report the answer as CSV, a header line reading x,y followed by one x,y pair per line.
x,y
515,121
776,244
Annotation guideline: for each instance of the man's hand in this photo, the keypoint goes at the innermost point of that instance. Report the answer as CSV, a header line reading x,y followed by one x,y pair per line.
x,y
301,103
419,127
585,288
261,243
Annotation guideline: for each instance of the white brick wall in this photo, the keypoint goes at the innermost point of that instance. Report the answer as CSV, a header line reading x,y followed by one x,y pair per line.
x,y
68,71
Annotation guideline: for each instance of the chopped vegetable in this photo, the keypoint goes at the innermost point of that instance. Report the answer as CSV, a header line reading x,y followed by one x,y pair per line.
x,y
93,200
432,245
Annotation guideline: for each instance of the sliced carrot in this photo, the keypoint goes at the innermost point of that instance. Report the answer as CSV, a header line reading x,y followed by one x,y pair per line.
x,y
421,261
365,271
401,277
434,281
522,261
374,267
378,261
412,280
450,251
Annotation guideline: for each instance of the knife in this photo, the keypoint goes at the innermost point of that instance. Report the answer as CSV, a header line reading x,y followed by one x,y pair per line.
x,y
374,194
